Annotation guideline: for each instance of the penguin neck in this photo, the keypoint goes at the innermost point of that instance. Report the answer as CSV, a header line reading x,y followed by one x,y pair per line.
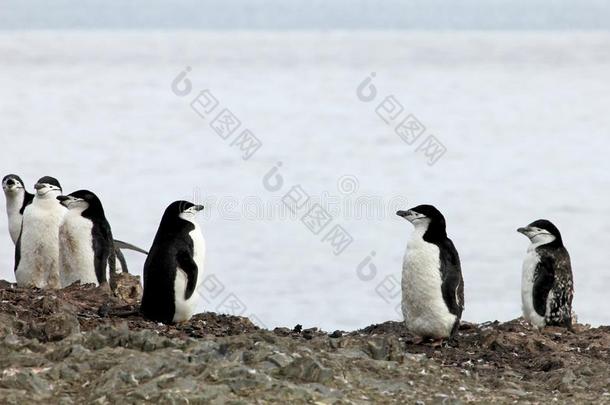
x,y
544,240
48,201
430,232
14,202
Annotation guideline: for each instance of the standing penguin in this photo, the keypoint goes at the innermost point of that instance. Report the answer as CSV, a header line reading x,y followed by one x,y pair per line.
x,y
17,198
86,248
547,287
432,284
174,266
37,249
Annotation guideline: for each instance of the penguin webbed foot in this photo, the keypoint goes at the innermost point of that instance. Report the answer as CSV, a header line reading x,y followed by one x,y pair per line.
x,y
435,342
438,343
418,340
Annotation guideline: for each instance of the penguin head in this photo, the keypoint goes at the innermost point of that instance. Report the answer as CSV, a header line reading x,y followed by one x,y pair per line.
x,y
81,200
12,184
541,231
184,210
427,218
422,214
47,187
188,211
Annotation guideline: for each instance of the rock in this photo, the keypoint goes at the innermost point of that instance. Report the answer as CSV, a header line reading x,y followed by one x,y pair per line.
x,y
25,380
309,333
307,370
60,326
53,328
282,331
56,347
128,288
279,359
514,392
378,349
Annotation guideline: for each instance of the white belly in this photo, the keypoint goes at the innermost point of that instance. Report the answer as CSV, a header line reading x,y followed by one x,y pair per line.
x,y
76,257
39,263
185,308
423,307
527,289
14,221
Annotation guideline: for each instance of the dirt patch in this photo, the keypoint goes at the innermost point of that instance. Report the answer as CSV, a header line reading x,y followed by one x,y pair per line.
x,y
82,344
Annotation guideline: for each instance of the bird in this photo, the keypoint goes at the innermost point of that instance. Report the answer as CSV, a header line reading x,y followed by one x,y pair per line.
x,y
86,246
174,266
37,248
547,285
17,198
432,283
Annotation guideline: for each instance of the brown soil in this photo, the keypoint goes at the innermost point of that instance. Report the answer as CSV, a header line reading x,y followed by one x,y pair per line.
x,y
492,362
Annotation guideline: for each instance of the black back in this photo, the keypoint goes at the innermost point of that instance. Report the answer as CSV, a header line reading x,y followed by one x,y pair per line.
x,y
553,281
171,248
27,196
101,235
452,286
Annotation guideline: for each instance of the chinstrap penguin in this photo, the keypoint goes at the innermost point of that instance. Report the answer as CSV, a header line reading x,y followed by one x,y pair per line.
x,y
432,284
17,198
37,249
547,287
173,269
86,247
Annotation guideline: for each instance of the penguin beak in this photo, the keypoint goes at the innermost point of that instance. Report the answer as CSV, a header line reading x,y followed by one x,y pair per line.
x,y
523,230
403,214
63,200
39,186
198,208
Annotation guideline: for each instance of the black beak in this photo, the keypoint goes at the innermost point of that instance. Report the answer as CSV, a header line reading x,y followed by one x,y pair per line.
x,y
403,213
198,207
522,230
38,186
10,182
62,198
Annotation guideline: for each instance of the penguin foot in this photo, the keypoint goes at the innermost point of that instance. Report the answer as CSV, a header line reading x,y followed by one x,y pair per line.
x,y
436,343
417,340
428,342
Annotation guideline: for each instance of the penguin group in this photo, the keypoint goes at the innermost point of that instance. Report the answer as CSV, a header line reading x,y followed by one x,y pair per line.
x,y
57,235
62,239
433,286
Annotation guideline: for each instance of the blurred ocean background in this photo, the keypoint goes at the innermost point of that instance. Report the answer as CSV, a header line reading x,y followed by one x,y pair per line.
x,y
518,97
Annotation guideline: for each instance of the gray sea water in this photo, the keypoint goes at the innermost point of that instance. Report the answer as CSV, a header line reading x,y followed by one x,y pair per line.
x,y
519,120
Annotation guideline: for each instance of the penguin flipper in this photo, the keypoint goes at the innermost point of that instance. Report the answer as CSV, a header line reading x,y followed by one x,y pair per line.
x,y
18,251
119,244
544,276
27,200
103,257
452,286
188,265
562,292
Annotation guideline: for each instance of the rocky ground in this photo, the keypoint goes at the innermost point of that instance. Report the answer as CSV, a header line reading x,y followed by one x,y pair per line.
x,y
82,345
